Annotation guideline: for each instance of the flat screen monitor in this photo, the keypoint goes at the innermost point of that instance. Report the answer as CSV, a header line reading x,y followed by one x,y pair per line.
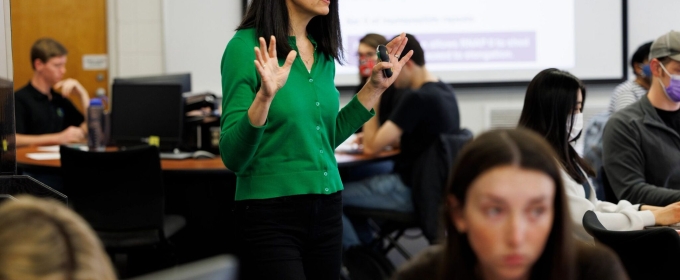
x,y
181,79
141,111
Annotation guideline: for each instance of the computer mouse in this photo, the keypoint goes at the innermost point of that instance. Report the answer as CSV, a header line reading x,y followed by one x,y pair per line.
x,y
202,154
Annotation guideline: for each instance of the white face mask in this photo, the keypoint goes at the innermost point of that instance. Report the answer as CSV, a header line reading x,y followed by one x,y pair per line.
x,y
577,127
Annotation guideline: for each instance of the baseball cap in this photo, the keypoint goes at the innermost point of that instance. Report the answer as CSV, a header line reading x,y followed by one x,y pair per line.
x,y
666,45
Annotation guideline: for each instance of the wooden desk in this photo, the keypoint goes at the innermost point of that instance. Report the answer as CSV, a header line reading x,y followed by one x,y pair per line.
x,y
201,165
201,190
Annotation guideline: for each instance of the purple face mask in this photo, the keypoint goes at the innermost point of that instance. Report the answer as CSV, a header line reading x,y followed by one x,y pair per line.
x,y
673,89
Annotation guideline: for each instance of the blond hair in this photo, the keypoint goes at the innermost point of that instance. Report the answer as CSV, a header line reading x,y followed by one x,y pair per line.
x,y
41,239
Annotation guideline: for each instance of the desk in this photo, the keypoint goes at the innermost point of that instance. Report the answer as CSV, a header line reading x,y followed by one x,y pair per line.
x,y
195,165
201,190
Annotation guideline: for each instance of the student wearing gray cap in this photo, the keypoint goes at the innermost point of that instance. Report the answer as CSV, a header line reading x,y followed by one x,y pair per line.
x,y
642,142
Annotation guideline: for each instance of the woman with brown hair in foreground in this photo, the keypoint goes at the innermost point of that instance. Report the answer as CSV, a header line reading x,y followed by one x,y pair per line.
x,y
507,218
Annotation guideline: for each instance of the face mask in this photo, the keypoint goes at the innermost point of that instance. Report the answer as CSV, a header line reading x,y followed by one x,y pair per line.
x,y
646,71
366,64
577,127
673,89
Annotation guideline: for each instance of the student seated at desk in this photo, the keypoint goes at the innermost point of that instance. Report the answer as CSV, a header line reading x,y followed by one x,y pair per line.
x,y
641,143
506,218
553,107
43,115
43,239
428,109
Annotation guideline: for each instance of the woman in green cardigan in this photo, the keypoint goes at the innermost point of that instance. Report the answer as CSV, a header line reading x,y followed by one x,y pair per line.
x,y
280,127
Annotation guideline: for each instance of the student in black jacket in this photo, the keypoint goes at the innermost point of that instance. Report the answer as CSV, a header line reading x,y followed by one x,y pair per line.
x,y
641,143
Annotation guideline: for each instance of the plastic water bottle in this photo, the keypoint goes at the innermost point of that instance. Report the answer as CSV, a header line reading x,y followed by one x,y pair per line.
x,y
96,140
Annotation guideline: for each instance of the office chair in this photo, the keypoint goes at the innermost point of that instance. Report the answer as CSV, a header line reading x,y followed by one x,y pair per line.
x,y
430,173
646,254
120,194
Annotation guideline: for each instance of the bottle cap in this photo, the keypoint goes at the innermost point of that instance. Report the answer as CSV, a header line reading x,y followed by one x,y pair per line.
x,y
95,102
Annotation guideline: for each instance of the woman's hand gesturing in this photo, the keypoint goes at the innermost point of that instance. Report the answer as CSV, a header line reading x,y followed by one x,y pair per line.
x,y
394,49
273,76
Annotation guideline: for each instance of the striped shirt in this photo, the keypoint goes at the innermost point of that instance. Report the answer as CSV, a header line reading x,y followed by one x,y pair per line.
x,y
625,94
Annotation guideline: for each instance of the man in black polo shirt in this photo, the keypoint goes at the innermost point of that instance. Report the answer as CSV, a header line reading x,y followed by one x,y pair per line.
x,y
43,114
426,109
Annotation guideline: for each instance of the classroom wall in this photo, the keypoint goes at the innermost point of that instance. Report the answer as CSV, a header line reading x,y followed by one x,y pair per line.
x,y
146,38
5,42
187,40
135,37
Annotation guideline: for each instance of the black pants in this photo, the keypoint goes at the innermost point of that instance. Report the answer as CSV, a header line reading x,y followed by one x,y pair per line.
x,y
293,237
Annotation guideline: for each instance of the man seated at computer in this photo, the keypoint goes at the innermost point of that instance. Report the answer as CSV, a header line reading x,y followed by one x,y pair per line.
x,y
426,109
44,115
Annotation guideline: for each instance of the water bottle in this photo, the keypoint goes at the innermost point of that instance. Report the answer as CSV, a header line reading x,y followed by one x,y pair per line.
x,y
96,140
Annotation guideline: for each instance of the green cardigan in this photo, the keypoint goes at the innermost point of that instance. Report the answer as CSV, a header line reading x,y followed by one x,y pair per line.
x,y
293,153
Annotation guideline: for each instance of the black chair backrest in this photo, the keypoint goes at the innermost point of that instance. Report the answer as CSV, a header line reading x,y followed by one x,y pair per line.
x,y
609,194
646,254
431,170
115,191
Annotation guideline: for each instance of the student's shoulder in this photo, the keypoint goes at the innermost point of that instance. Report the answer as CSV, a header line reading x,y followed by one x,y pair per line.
x,y
24,94
425,265
596,261
630,114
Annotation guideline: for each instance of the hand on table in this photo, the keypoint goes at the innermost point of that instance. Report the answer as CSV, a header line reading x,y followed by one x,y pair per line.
x,y
71,134
667,215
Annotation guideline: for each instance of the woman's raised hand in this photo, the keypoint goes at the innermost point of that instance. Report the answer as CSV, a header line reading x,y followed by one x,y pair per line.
x,y
394,48
273,76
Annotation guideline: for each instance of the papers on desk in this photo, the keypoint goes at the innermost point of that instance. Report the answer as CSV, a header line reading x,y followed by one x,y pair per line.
x,y
349,147
52,152
43,156
53,149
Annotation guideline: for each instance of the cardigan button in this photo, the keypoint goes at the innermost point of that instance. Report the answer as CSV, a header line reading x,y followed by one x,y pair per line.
x,y
311,80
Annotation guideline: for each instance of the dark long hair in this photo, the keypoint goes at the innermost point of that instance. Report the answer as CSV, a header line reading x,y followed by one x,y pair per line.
x,y
518,147
550,99
270,17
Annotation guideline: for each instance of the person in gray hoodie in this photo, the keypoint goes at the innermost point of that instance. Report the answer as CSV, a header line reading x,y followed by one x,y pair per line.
x,y
641,143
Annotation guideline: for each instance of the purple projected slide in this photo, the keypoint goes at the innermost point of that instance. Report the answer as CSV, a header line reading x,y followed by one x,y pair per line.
x,y
471,47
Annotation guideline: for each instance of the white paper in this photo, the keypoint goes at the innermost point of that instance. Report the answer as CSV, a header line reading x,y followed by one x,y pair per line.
x,y
43,156
54,148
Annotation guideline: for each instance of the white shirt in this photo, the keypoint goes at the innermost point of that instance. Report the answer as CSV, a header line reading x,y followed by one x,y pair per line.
x,y
620,217
625,94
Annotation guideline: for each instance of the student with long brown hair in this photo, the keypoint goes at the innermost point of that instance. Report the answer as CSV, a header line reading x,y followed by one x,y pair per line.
x,y
506,218
43,239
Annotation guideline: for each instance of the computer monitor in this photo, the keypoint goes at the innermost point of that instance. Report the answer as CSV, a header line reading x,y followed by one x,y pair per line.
x,y
140,111
181,79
